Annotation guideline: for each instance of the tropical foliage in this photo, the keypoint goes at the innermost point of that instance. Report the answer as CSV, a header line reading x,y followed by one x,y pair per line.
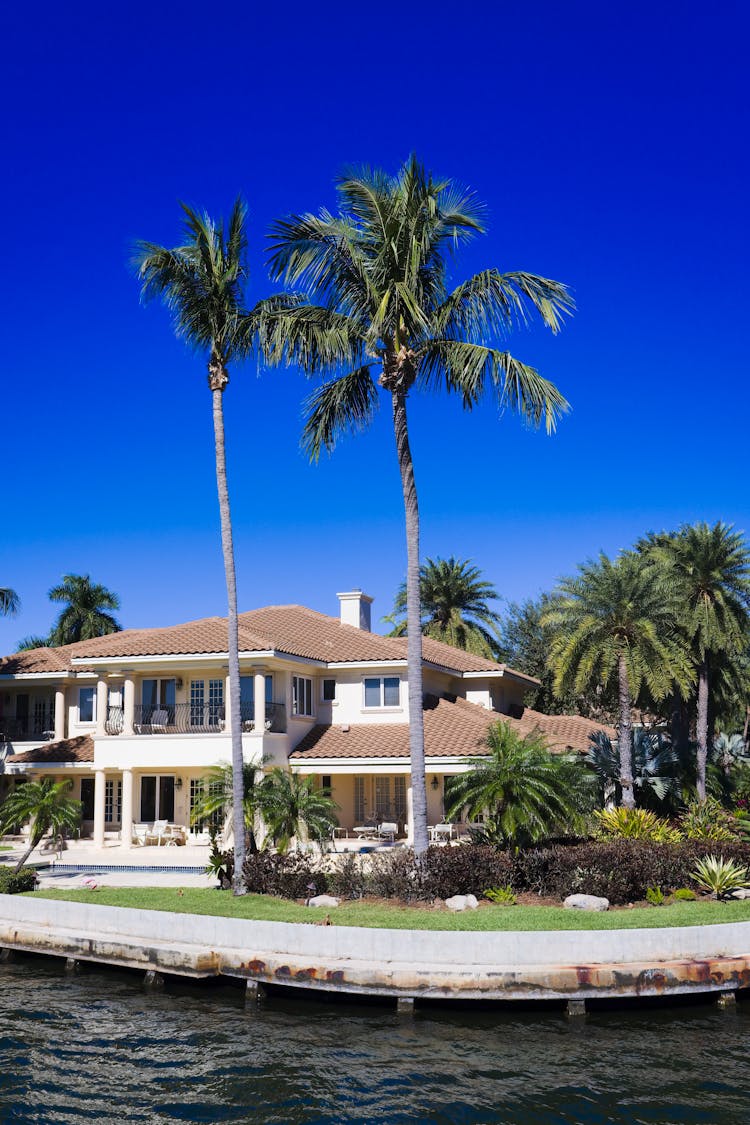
x,y
86,611
202,284
455,606
524,793
634,824
10,603
613,621
44,804
720,876
214,803
656,767
708,571
372,310
294,809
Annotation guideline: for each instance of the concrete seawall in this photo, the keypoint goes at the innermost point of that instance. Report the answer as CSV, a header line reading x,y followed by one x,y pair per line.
x,y
561,965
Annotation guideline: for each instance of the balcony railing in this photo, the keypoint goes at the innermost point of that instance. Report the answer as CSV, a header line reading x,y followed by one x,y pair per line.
x,y
192,718
29,729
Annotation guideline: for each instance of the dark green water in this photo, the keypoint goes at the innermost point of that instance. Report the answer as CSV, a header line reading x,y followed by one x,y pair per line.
x,y
96,1047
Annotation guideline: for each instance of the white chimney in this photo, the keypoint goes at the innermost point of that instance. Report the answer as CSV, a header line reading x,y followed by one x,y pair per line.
x,y
355,609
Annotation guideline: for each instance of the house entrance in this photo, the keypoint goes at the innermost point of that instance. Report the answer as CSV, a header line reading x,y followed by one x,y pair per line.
x,y
157,798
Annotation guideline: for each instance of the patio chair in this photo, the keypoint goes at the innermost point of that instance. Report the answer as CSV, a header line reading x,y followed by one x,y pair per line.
x,y
441,832
140,832
388,830
158,832
159,720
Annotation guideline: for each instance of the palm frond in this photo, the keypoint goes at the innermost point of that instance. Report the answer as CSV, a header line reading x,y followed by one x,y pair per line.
x,y
344,405
471,370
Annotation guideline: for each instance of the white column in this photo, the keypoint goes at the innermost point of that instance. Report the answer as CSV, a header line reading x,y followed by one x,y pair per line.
x,y
227,706
126,835
60,712
259,695
128,704
410,816
99,780
101,706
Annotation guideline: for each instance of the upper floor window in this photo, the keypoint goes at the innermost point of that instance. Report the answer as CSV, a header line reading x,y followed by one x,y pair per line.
x,y
382,691
301,695
329,691
87,705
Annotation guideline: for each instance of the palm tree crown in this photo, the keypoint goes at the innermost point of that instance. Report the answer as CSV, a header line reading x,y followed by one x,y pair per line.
x,y
86,610
377,312
454,606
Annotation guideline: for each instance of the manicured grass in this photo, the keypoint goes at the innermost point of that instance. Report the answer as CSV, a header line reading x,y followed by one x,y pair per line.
x,y
381,916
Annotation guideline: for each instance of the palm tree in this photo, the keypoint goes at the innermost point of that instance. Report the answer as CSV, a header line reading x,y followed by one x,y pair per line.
x,y
45,806
34,641
86,610
656,766
215,802
202,282
525,793
709,572
10,603
377,313
614,620
454,600
294,809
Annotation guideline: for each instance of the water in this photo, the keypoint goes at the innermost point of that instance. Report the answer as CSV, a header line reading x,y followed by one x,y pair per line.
x,y
96,1047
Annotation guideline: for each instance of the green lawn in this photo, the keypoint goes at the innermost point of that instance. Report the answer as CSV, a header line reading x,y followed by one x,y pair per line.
x,y
264,908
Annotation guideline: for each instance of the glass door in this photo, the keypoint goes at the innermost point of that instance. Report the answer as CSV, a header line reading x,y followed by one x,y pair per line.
x,y
157,798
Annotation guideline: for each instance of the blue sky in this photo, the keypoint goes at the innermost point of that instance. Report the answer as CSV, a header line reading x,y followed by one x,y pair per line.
x,y
609,143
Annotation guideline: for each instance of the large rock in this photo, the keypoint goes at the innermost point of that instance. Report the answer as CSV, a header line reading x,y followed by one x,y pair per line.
x,y
586,902
323,900
742,892
462,902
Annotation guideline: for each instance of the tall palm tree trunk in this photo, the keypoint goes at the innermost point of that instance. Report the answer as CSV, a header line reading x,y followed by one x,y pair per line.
x,y
217,381
625,741
413,624
702,730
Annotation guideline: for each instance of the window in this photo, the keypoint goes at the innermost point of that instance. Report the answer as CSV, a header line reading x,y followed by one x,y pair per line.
x,y
87,705
382,691
359,800
329,690
383,809
215,701
87,798
197,698
399,797
158,701
113,802
326,783
212,821
301,695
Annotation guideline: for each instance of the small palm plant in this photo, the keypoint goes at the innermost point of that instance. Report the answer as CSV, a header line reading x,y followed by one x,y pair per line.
x,y
719,876
46,807
214,802
295,810
525,793
656,766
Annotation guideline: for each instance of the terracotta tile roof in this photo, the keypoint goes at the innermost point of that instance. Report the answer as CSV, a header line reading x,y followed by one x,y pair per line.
x,y
67,750
291,629
450,729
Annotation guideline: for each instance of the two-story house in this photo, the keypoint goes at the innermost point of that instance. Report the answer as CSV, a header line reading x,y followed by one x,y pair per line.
x,y
136,718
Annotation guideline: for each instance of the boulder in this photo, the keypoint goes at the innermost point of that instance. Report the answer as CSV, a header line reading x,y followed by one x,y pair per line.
x,y
323,900
462,902
586,902
742,892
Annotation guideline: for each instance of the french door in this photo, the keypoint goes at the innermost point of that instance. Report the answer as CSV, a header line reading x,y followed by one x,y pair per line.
x,y
157,798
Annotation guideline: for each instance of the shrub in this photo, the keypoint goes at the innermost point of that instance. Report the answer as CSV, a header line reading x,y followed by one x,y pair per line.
x,y
461,871
14,882
292,875
635,824
720,876
620,870
501,896
708,820
684,894
655,896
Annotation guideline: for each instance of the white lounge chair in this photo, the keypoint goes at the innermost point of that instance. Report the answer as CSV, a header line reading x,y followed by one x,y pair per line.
x,y
140,832
388,830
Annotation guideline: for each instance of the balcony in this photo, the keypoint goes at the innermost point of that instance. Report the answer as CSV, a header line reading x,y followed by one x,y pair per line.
x,y
40,728
189,718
